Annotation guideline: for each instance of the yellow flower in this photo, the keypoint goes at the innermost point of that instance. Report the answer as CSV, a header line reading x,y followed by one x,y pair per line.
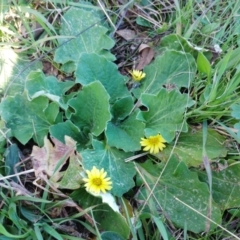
x,y
154,144
97,181
137,75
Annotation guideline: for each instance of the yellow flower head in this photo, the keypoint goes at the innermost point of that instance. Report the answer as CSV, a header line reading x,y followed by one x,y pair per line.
x,y
97,181
137,75
154,144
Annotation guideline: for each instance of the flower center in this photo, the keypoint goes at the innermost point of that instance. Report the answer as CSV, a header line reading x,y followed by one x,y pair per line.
x,y
97,181
153,141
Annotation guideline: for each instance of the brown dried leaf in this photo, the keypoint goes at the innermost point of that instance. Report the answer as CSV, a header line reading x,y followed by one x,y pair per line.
x,y
126,34
49,68
49,159
146,56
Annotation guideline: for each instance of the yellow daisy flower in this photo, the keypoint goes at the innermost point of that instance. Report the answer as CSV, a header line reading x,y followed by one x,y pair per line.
x,y
97,181
137,75
154,144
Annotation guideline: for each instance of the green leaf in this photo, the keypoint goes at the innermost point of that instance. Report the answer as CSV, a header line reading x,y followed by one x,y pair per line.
x,y
92,109
235,110
236,114
29,214
177,42
122,108
92,67
112,160
11,159
210,27
203,64
14,69
38,84
161,227
72,178
189,148
237,127
4,6
234,59
165,113
225,186
37,232
143,22
28,119
51,231
111,236
171,68
68,67
103,214
30,199
67,128
93,37
52,112
125,134
13,216
7,234
178,192
109,219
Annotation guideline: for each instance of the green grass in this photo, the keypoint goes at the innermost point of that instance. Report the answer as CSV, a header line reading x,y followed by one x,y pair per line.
x,y
33,206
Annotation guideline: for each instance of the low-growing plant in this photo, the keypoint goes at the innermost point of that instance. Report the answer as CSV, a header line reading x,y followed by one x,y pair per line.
x,y
90,133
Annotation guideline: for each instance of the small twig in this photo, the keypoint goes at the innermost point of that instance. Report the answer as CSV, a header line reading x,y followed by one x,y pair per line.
x,y
16,187
109,19
5,135
123,13
15,169
135,157
17,174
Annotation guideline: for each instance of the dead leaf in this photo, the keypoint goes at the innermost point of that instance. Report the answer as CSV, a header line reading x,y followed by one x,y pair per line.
x,y
146,56
49,159
49,68
127,34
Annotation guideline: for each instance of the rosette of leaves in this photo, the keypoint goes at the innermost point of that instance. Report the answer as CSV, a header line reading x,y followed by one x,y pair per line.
x,y
104,117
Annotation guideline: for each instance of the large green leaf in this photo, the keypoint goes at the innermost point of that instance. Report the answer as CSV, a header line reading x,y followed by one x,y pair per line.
x,y
176,186
172,68
122,108
109,219
112,160
14,69
189,148
125,134
28,119
165,113
93,38
92,67
103,214
38,84
67,128
225,186
92,109
177,42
